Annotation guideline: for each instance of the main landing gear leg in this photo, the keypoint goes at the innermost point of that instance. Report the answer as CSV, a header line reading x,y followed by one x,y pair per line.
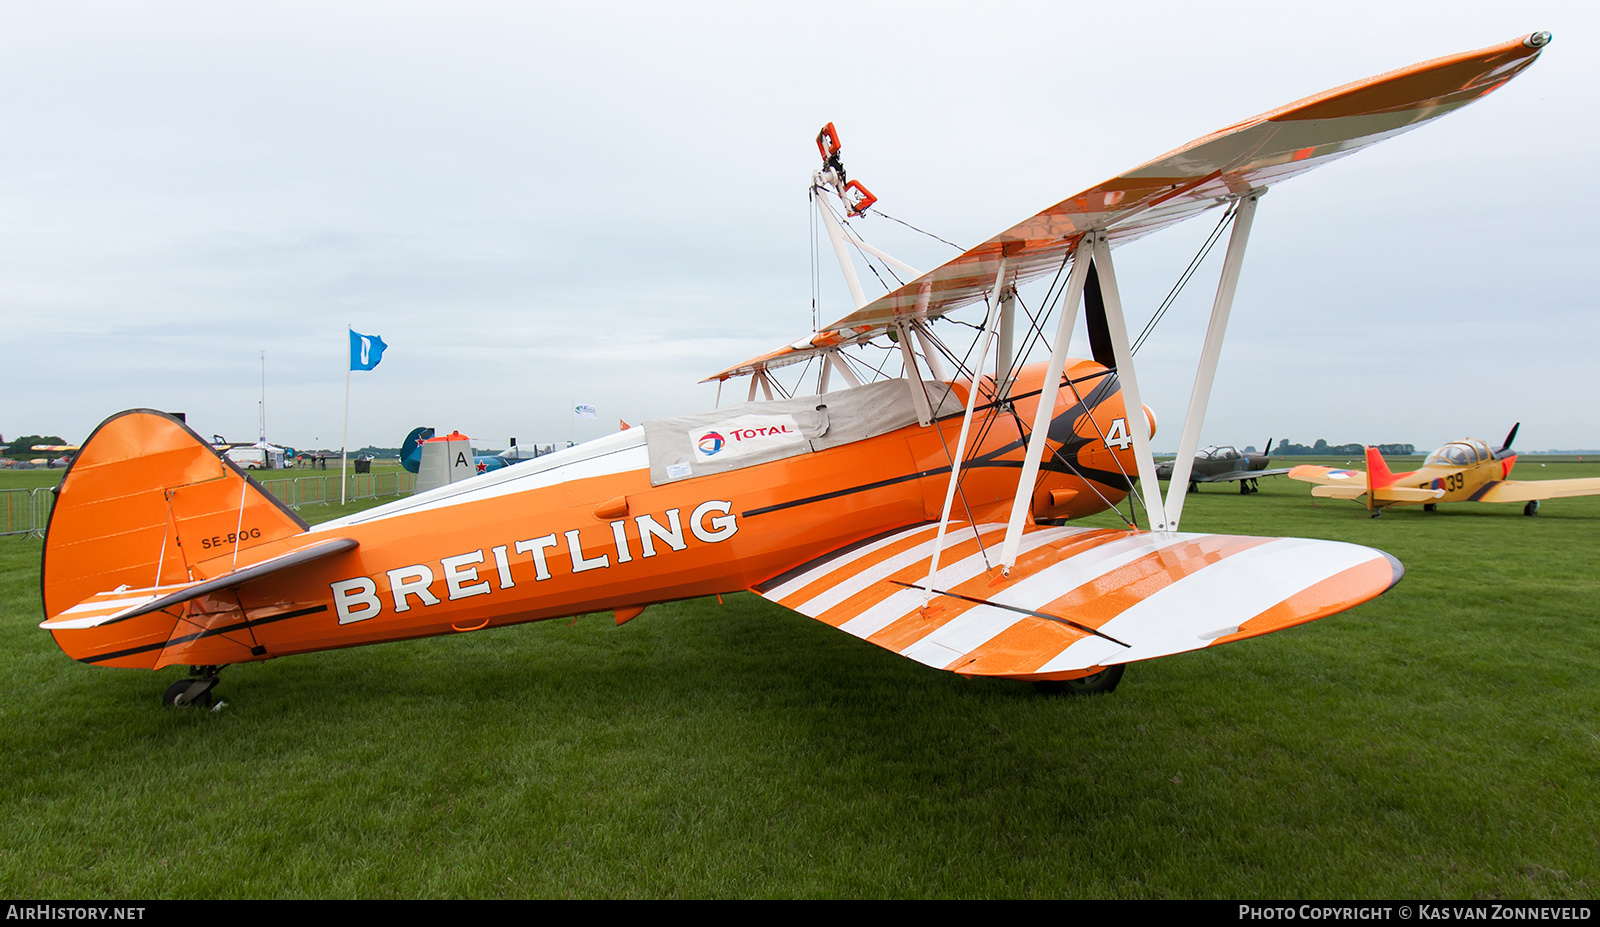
x,y
196,690
1102,682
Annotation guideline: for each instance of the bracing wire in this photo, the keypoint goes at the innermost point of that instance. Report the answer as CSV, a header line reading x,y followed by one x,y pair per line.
x,y
865,257
1183,279
816,266
920,231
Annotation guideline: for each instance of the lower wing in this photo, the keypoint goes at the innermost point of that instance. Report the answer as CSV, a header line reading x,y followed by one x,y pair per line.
x,y
1529,490
1237,475
1078,599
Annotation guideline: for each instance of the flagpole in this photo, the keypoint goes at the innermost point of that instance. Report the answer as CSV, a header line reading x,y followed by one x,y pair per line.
x,y
344,442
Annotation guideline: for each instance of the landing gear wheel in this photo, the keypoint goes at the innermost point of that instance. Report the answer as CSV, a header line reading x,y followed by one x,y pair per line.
x,y
1430,506
1194,487
195,690
1104,681
1531,509
1244,487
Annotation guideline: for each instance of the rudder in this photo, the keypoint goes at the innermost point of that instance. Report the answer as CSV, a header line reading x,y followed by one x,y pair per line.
x,y
149,502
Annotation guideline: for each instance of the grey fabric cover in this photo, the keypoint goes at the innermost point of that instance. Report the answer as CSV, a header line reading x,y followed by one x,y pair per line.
x,y
750,433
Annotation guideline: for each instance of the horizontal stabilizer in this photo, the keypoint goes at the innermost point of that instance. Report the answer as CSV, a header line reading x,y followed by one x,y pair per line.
x,y
123,603
1078,599
1329,476
1407,494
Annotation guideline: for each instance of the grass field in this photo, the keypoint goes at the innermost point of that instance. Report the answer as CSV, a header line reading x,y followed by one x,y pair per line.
x,y
1442,741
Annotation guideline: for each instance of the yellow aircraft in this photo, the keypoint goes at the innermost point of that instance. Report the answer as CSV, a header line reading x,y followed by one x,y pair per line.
x,y
1461,471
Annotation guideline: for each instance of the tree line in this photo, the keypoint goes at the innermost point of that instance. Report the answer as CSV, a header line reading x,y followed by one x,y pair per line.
x,y
22,448
1323,449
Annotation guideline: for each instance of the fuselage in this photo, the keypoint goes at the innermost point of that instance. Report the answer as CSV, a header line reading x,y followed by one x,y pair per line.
x,y
584,529
1460,468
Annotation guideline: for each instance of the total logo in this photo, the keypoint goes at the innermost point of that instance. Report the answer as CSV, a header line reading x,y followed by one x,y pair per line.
x,y
743,435
711,442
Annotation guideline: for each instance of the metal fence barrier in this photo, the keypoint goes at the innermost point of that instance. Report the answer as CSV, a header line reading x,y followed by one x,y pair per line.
x,y
316,490
26,511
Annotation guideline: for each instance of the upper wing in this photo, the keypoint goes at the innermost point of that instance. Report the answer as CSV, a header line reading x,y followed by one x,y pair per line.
x,y
1078,598
1203,174
1529,490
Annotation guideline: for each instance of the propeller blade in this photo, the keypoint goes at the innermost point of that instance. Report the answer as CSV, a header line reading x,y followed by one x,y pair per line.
x,y
1094,316
1268,451
1505,449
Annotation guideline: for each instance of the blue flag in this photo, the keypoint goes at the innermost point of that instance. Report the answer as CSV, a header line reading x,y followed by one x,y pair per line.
x,y
365,350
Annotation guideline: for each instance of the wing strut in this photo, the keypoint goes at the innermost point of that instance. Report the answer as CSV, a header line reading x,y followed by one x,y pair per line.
x,y
1138,425
836,236
919,392
973,401
1209,353
1068,310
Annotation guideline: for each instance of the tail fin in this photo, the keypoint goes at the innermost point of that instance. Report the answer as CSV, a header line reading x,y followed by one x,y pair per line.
x,y
410,453
147,502
1378,475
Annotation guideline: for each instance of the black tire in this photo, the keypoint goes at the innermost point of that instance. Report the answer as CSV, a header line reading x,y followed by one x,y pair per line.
x,y
1430,506
1103,682
1531,509
169,699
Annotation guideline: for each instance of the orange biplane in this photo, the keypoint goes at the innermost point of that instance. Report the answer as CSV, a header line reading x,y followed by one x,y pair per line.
x,y
924,513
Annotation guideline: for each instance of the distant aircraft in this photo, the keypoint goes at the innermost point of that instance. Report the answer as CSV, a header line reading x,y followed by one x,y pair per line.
x,y
1224,463
1461,471
67,452
411,453
840,505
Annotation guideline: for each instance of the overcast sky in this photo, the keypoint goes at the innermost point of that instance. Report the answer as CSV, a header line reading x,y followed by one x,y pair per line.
x,y
606,202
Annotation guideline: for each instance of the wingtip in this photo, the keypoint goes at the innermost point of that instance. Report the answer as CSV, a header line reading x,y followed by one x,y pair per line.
x,y
1537,39
1397,567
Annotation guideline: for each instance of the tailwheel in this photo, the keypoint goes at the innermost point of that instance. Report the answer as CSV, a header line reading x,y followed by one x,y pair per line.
x,y
195,690
1531,509
1102,682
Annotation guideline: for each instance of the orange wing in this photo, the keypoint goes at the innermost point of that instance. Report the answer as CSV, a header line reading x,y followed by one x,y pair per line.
x,y
1079,599
1199,176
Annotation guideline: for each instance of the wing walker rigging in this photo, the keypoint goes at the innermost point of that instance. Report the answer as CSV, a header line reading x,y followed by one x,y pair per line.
x,y
926,513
